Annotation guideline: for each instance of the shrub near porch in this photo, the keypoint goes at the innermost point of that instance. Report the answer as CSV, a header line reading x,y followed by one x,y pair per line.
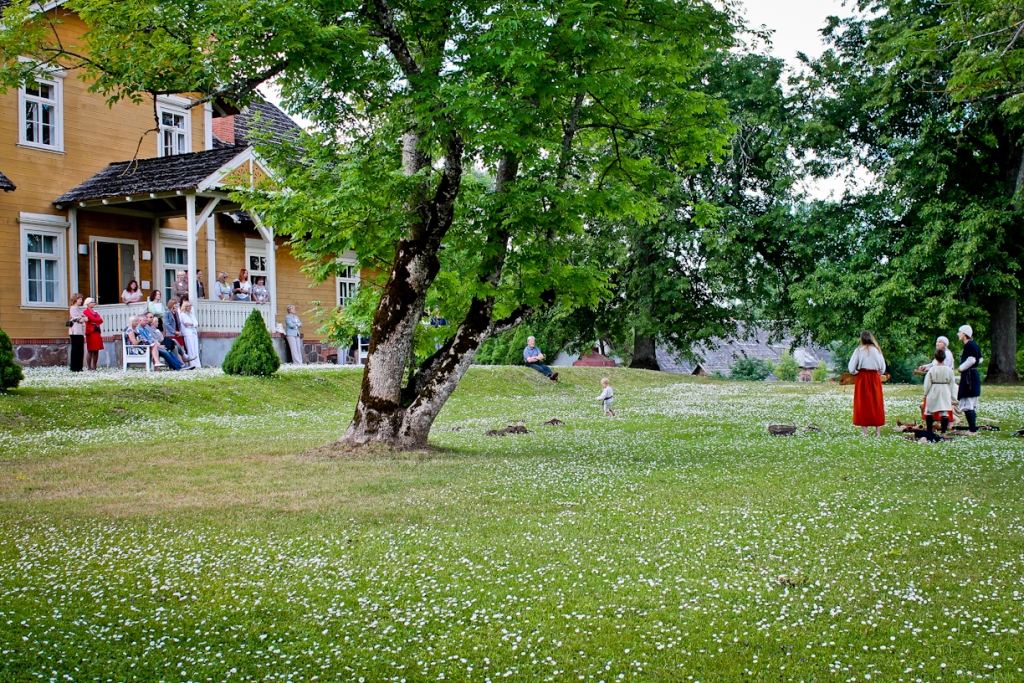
x,y
164,527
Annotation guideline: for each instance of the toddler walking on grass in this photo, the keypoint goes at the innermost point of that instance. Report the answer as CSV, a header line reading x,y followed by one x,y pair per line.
x,y
607,397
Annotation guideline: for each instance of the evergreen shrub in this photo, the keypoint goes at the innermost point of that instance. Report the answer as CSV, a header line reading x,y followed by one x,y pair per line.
x,y
10,372
253,351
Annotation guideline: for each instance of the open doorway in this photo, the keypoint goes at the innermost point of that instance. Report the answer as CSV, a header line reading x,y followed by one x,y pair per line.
x,y
114,266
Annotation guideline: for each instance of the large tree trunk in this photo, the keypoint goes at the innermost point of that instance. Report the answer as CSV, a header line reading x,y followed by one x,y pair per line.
x,y
380,413
1002,367
644,354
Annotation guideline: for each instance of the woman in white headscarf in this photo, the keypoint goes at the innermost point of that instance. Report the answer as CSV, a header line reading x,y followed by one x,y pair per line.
x,y
190,331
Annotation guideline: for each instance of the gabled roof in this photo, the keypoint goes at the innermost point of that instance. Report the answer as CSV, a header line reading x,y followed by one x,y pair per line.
x,y
178,173
5,183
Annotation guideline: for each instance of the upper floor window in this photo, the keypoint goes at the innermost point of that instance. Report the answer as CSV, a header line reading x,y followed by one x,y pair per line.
x,y
40,115
175,130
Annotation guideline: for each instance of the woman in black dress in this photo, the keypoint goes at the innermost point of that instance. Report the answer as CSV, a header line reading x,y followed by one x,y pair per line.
x,y
970,378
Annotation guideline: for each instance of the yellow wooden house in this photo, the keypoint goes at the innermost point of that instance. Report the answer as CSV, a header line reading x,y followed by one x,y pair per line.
x,y
81,212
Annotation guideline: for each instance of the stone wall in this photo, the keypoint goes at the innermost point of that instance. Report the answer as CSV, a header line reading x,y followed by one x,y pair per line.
x,y
37,353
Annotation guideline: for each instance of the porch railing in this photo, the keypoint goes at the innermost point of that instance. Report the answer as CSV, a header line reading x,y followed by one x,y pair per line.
x,y
214,316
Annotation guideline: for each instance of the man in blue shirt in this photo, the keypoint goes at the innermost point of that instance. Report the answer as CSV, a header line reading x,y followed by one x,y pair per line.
x,y
533,357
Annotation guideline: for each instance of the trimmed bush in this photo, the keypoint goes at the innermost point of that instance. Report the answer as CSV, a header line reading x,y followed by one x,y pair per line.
x,y
787,368
10,372
253,351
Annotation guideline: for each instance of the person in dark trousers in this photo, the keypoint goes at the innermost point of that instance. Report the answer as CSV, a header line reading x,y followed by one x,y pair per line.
x,y
76,332
533,357
970,378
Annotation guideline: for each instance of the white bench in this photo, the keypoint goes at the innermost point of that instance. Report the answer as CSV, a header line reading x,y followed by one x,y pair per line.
x,y
137,354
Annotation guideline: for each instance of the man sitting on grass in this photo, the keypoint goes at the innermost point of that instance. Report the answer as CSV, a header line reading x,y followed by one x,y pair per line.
x,y
533,357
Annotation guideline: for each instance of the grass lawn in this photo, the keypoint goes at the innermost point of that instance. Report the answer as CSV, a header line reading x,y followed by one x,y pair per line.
x,y
170,528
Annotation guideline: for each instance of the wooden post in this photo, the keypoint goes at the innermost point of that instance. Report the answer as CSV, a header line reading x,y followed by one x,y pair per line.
x,y
72,251
268,236
211,255
190,217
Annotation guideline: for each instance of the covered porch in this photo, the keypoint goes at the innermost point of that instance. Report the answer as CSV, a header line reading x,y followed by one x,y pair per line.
x,y
170,193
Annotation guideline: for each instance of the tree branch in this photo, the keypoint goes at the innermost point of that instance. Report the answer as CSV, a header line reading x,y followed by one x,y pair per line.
x,y
237,91
382,14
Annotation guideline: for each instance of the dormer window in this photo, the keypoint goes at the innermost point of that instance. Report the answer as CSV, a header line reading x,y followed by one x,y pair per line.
x,y
41,117
175,129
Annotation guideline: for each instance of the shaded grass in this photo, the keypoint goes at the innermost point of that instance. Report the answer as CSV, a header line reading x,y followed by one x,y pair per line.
x,y
678,541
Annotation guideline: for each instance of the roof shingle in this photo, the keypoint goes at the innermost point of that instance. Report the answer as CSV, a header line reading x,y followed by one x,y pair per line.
x,y
143,176
5,183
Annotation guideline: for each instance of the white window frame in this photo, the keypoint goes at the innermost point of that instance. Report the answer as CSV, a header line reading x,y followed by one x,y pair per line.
x,y
177,106
168,238
258,248
351,280
56,80
57,227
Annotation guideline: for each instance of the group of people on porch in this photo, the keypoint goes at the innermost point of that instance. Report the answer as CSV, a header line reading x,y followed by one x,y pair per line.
x,y
171,332
241,289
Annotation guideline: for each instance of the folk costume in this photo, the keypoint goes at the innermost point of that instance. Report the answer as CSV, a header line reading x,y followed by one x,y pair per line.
x,y
868,364
970,379
950,363
938,396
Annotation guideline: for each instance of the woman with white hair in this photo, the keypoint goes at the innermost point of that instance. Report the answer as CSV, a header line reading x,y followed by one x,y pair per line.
x,y
190,332
970,378
93,334
179,288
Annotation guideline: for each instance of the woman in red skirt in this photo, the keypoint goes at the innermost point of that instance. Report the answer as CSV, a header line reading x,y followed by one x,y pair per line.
x,y
868,364
93,335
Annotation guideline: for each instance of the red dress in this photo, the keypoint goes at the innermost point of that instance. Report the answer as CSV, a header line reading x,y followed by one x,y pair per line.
x,y
868,402
93,336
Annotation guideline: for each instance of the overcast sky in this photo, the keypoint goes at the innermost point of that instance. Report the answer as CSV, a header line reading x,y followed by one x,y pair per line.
x,y
795,22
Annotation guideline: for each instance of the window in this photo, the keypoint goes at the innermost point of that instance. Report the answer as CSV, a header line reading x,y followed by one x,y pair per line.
x,y
256,260
175,259
348,283
41,119
175,129
42,260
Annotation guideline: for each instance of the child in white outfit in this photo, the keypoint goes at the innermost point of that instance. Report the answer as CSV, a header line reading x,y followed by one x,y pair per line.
x,y
607,397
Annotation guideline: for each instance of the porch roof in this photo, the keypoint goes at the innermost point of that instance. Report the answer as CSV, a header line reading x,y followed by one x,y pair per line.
x,y
5,183
155,186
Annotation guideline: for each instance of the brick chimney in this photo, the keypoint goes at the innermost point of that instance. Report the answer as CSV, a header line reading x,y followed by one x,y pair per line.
x,y
224,128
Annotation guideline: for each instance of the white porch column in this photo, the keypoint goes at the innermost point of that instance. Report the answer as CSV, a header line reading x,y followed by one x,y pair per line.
x,y
211,255
190,217
268,236
72,252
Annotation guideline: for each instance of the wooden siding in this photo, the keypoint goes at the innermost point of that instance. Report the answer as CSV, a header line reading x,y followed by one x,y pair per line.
x,y
95,135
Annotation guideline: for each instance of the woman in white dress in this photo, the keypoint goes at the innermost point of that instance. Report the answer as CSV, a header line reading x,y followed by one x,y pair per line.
x,y
190,331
